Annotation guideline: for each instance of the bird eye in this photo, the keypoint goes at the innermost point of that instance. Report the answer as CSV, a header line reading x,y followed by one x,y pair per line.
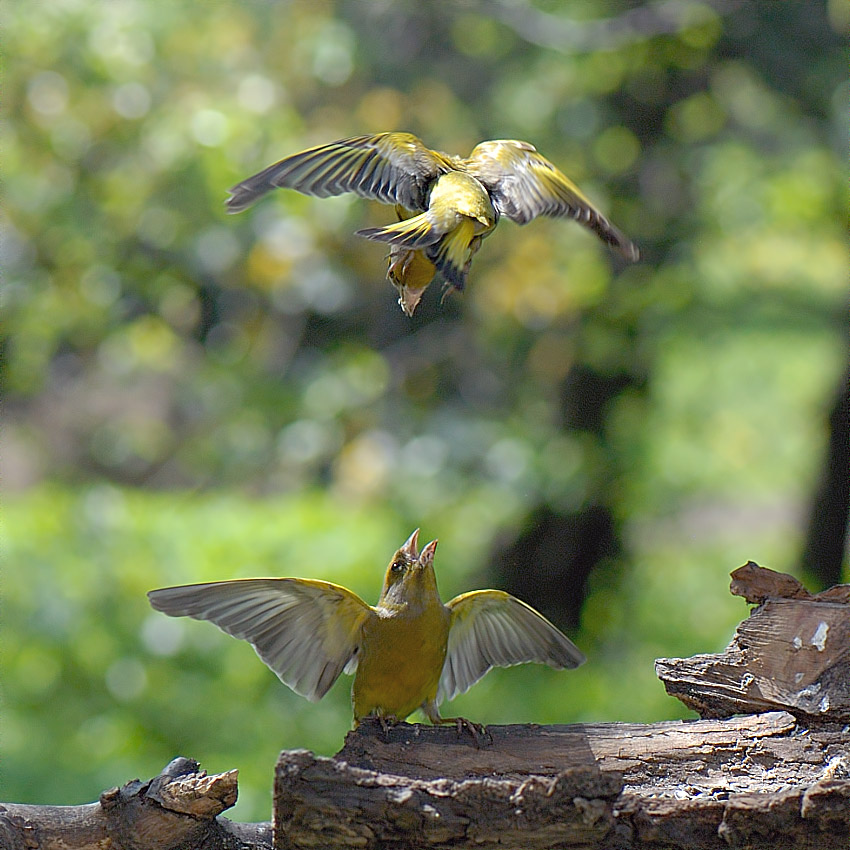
x,y
397,566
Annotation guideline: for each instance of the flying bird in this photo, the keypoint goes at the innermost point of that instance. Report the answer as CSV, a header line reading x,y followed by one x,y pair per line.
x,y
409,651
445,204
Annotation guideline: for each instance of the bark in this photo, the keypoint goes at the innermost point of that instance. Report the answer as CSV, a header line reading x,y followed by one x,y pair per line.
x,y
754,781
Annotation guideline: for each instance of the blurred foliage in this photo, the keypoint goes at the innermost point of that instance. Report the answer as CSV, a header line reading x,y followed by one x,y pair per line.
x,y
191,396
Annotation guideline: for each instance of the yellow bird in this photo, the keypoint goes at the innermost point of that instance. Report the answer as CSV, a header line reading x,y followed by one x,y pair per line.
x,y
409,651
446,204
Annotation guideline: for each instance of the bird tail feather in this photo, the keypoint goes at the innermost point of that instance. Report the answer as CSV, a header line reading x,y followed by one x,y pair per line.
x,y
415,232
454,252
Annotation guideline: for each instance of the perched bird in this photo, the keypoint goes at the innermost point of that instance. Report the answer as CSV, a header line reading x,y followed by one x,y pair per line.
x,y
409,651
446,204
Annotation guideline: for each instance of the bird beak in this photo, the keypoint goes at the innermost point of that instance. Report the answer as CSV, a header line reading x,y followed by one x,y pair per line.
x,y
426,558
410,548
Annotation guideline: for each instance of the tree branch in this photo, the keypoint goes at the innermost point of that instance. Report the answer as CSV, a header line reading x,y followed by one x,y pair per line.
x,y
179,808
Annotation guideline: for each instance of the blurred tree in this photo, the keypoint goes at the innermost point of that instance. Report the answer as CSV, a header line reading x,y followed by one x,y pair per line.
x,y
825,548
556,551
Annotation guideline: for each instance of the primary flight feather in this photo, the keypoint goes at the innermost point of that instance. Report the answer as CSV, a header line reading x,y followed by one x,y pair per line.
x,y
445,204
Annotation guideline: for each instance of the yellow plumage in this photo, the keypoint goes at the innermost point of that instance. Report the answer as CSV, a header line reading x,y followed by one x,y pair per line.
x,y
446,204
409,651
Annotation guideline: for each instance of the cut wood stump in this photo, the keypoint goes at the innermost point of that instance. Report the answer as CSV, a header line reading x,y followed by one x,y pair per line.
x,y
792,653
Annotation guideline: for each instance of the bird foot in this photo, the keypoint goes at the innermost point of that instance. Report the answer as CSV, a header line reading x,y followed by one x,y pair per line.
x,y
387,722
478,731
448,289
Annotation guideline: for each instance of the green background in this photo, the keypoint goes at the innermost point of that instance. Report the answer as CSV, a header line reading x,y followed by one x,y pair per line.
x,y
192,396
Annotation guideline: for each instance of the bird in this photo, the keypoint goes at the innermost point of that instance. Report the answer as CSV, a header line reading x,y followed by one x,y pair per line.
x,y
446,205
409,651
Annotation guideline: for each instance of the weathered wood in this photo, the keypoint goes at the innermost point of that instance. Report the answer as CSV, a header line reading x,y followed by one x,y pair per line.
x,y
682,784
757,584
329,803
176,809
792,653
632,749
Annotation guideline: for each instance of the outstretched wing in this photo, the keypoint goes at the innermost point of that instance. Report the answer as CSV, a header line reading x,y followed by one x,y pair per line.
x,y
491,628
307,631
394,168
523,185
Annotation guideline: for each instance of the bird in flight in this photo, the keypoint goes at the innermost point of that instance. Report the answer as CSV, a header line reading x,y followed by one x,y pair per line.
x,y
445,204
409,651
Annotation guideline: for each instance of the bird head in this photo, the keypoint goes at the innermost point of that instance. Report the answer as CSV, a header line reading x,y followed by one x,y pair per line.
x,y
410,575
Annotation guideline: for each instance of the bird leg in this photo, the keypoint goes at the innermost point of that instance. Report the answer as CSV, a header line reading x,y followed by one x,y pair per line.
x,y
385,721
478,731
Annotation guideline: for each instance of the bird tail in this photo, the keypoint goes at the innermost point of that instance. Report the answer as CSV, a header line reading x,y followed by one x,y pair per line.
x,y
415,232
452,254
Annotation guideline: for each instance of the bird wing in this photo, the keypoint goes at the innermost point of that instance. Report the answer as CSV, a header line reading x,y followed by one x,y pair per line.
x,y
523,185
395,168
491,628
307,631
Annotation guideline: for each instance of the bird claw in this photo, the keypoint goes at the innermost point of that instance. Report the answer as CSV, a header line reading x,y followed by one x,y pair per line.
x,y
478,731
386,723
448,289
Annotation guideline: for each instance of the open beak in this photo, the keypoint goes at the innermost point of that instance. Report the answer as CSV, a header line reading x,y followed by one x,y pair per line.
x,y
411,547
426,558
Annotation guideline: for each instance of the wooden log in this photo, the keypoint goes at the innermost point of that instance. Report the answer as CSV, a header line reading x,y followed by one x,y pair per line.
x,y
792,653
681,784
179,808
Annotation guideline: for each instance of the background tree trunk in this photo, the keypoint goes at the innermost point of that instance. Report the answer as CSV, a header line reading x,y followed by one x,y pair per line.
x,y
829,520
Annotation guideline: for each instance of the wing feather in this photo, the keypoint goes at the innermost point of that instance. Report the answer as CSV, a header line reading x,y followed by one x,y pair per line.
x,y
491,628
523,185
394,168
306,631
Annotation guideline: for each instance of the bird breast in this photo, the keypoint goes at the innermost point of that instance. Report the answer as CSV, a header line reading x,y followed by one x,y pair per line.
x,y
400,661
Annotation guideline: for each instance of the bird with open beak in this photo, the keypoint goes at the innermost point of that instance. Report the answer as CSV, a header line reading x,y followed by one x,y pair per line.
x,y
445,204
409,651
